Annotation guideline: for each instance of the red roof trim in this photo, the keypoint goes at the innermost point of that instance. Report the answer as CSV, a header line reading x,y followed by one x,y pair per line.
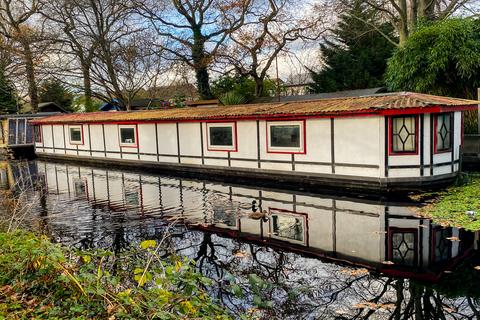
x,y
283,116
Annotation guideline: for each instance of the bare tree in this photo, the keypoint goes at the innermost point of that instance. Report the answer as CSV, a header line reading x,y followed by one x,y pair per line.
x,y
20,25
193,31
71,18
272,26
112,49
404,15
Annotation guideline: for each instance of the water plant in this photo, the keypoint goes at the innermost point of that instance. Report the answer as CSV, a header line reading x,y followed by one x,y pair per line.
x,y
458,206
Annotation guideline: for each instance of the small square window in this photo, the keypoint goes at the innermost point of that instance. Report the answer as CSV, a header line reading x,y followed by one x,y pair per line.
x,y
76,134
443,138
404,135
221,137
286,136
128,137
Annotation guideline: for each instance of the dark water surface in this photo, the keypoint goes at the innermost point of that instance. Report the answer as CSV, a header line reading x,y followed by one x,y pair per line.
x,y
322,256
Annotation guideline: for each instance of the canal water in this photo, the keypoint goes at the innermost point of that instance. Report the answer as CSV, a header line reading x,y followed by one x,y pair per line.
x,y
305,255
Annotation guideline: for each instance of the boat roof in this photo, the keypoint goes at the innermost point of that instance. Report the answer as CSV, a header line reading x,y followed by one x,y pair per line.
x,y
380,104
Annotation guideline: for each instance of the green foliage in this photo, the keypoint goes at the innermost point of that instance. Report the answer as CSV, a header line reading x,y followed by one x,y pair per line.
x,y
41,280
8,95
439,58
470,121
231,88
79,104
232,98
357,56
55,91
451,206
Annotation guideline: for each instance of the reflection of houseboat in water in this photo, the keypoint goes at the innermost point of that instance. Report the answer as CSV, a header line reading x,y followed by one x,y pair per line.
x,y
386,237
17,175
398,141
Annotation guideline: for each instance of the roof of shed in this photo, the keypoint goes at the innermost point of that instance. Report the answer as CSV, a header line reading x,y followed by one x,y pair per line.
x,y
376,104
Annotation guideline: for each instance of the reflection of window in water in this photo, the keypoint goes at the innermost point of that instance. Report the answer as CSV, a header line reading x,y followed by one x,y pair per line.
x,y
287,227
131,198
403,248
3,179
79,188
222,214
443,246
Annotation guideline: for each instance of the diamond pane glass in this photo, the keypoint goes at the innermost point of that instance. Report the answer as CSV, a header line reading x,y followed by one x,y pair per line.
x,y
404,134
403,248
443,132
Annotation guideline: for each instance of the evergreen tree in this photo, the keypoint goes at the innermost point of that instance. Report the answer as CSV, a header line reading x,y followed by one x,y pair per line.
x,y
357,56
8,97
54,91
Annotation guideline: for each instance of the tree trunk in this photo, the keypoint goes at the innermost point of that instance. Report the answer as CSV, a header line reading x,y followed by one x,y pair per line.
x,y
87,87
402,33
30,73
200,64
258,87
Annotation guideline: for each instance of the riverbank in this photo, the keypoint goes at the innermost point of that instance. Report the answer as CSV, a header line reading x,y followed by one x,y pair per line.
x,y
458,206
42,280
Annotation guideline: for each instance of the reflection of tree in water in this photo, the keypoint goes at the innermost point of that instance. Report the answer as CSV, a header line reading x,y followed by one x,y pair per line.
x,y
303,288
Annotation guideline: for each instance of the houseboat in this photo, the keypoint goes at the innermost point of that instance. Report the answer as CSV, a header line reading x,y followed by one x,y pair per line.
x,y
387,142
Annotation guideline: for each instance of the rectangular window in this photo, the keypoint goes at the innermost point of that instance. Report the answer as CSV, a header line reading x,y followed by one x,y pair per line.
x,y
288,226
12,131
222,136
38,134
286,136
403,135
76,134
30,133
128,136
21,133
443,135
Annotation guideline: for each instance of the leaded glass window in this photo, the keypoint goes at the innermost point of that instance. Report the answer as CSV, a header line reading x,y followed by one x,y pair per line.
x,y
443,246
444,133
404,134
403,248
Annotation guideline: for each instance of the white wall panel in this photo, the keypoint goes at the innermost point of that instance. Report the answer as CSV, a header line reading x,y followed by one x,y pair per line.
x,y
357,140
167,138
190,143
146,136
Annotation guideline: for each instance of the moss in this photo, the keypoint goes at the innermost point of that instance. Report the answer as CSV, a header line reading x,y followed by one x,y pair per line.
x,y
450,207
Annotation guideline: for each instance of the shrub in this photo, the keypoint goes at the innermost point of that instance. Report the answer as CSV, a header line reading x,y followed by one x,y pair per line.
x,y
42,280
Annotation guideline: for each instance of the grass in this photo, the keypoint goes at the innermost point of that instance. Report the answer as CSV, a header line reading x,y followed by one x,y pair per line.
x,y
450,207
42,280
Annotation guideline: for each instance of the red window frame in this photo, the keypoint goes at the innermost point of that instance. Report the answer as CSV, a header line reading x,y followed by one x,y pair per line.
x,y
302,131
79,143
135,127
235,138
435,137
392,230
390,136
